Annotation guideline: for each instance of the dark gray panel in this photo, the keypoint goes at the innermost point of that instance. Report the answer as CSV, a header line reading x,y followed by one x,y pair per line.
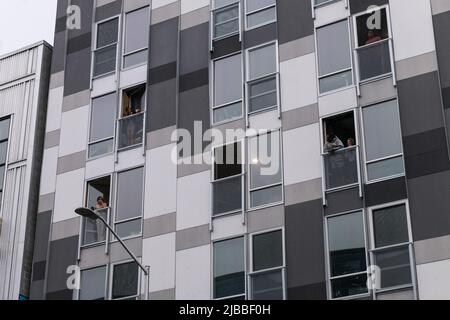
x,y
317,291
194,80
61,24
294,20
305,244
385,191
226,46
430,206
108,10
86,8
194,48
357,6
59,52
39,270
41,239
78,72
164,43
61,8
441,26
162,73
426,153
37,290
62,295
79,43
260,35
446,96
162,105
420,103
63,253
343,201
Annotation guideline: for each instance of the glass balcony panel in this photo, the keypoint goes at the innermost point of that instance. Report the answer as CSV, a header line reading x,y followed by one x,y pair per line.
x,y
227,195
395,267
268,286
349,286
95,231
374,60
341,168
131,131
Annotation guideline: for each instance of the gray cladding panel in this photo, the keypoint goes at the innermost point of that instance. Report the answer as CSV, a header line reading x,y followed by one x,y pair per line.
x,y
78,72
260,35
441,27
194,48
164,42
343,201
59,52
294,20
108,10
316,291
385,191
162,105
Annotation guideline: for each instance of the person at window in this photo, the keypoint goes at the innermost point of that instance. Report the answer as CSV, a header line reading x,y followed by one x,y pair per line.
x,y
100,207
101,204
372,37
351,142
333,142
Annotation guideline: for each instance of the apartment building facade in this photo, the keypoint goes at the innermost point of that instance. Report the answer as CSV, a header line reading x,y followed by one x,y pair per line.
x,y
351,98
24,78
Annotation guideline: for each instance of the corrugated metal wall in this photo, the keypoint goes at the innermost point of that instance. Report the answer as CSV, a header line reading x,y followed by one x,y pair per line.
x,y
18,66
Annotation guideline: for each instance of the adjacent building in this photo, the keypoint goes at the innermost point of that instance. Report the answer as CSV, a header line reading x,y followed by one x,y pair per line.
x,y
355,96
24,80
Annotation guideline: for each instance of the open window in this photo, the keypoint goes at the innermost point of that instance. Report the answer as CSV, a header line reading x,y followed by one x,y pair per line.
x,y
98,199
105,54
373,47
340,151
226,20
131,126
228,179
136,37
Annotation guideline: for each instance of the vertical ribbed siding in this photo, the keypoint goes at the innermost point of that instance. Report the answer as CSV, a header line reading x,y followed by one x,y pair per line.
x,y
18,66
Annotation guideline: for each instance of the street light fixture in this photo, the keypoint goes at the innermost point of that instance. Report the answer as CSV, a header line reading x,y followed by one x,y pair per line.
x,y
92,215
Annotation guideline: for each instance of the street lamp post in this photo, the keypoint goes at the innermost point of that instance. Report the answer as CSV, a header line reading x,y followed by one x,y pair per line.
x,y
91,214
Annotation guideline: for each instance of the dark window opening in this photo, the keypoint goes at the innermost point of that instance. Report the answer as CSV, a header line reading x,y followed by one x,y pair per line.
x,y
339,132
227,161
372,27
133,101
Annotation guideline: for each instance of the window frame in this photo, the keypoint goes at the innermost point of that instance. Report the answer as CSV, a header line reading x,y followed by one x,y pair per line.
x,y
282,268
107,269
111,281
214,10
364,148
249,81
125,54
249,13
325,3
351,69
95,49
215,107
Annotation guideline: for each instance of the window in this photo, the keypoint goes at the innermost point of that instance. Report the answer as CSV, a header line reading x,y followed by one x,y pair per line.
x,y
347,255
228,179
105,54
262,78
130,186
267,277
227,88
383,143
226,18
229,269
131,126
266,185
318,3
4,136
93,284
392,246
98,198
334,58
340,151
373,44
137,24
103,119
260,12
125,281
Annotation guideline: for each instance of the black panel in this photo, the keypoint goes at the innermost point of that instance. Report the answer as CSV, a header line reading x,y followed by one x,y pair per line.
x,y
108,10
446,97
79,43
194,80
357,6
294,20
385,192
163,73
39,270
43,223
162,105
260,35
316,291
63,295
226,46
343,201
59,52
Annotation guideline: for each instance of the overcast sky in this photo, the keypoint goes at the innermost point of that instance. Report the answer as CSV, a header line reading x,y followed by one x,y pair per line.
x,y
23,22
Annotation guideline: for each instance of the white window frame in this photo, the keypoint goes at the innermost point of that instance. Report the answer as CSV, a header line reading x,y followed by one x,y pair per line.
x,y
95,49
327,256
213,86
281,268
249,81
249,13
124,35
214,10
107,267
364,149
111,279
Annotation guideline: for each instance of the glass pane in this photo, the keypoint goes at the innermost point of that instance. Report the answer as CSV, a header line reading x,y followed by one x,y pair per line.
x,y
347,244
341,168
333,48
264,154
2,177
268,286
369,31
101,148
93,283
129,229
267,250
261,17
226,21
227,196
262,61
229,269
223,3
386,168
137,26
390,226
95,230
105,60
125,280
228,80
107,33
395,267
374,60
336,81
4,129
135,59
96,189
266,196
263,94
103,116
3,152
318,2
131,131
229,112
253,5
129,194
226,28
349,286
386,139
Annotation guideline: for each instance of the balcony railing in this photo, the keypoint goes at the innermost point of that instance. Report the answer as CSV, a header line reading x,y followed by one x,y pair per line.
x,y
374,60
95,232
131,131
227,195
341,168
